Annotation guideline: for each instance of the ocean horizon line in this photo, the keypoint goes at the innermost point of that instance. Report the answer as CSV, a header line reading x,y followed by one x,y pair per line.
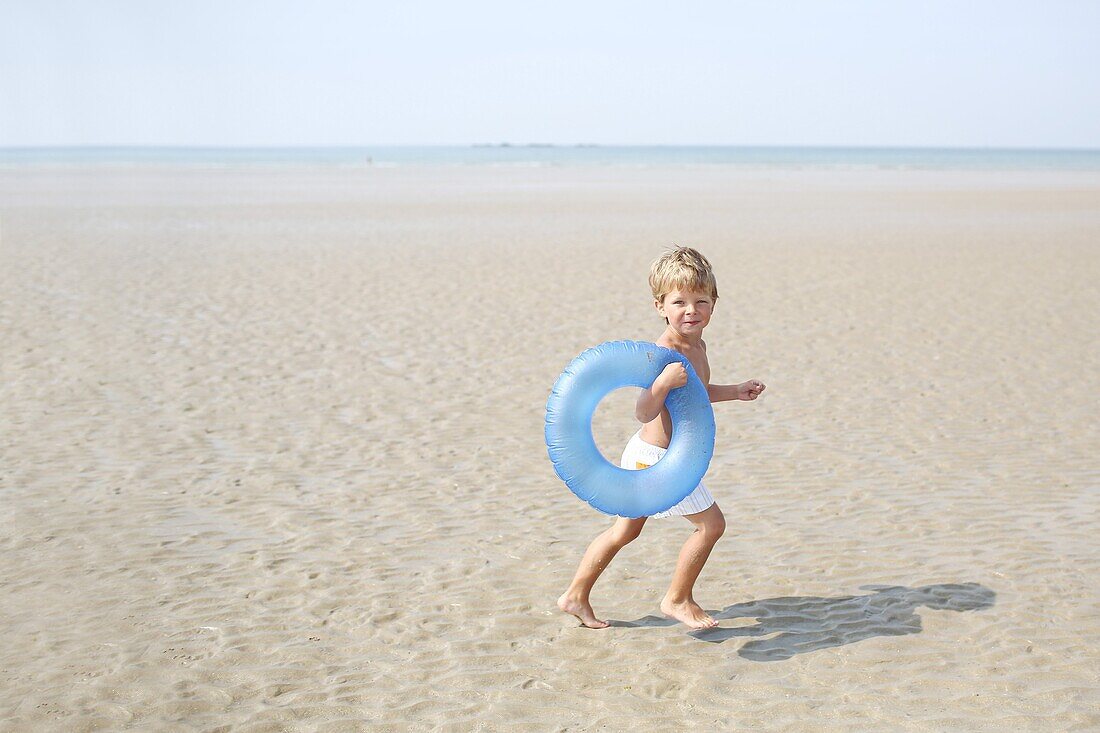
x,y
565,154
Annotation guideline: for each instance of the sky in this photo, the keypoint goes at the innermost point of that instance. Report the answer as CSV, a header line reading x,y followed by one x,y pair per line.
x,y
945,74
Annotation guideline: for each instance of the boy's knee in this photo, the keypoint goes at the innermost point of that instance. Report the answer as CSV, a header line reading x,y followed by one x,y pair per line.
x,y
625,534
715,526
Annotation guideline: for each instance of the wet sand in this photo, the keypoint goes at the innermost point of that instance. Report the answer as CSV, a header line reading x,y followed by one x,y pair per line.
x,y
272,450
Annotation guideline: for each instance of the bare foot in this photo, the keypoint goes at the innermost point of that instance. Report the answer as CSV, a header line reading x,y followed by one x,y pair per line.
x,y
582,610
689,612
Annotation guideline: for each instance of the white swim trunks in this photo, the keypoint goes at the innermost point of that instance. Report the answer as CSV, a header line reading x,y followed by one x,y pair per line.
x,y
639,454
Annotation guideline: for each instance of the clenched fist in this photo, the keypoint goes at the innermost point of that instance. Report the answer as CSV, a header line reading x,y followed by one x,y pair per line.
x,y
674,375
750,390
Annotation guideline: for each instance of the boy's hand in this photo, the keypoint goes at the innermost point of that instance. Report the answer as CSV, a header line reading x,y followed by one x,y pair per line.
x,y
673,376
652,400
750,390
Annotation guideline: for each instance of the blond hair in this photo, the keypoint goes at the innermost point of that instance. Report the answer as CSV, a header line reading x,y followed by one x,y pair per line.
x,y
681,268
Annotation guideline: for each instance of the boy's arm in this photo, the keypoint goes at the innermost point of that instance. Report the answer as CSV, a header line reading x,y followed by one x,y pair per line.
x,y
749,390
652,400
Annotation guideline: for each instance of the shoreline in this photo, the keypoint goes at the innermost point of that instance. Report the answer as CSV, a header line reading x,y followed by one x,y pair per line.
x,y
193,184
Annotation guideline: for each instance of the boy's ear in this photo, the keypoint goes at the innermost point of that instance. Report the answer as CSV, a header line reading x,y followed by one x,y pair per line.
x,y
660,306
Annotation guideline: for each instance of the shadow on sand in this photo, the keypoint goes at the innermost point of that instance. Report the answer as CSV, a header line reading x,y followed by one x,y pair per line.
x,y
803,624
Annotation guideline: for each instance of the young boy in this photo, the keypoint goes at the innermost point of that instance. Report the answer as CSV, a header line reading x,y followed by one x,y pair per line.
x,y
684,293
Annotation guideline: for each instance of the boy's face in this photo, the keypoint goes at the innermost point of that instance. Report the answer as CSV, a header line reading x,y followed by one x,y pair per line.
x,y
688,311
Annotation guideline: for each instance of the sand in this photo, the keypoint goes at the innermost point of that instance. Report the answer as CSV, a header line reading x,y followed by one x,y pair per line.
x,y
272,453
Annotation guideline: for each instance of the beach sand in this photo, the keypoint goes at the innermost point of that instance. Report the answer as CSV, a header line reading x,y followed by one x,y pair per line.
x,y
273,457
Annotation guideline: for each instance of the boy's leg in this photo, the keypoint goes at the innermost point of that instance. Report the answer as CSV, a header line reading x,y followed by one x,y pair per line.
x,y
597,557
678,602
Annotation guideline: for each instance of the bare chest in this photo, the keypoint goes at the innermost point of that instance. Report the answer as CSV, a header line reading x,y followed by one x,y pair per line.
x,y
702,366
698,358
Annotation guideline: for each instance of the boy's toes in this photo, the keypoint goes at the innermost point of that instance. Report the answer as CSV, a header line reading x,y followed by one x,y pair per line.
x,y
689,614
706,622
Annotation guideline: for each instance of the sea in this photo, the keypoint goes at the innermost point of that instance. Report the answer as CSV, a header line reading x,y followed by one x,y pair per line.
x,y
539,155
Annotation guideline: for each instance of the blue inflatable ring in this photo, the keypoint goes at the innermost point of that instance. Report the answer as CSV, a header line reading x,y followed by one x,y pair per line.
x,y
613,490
